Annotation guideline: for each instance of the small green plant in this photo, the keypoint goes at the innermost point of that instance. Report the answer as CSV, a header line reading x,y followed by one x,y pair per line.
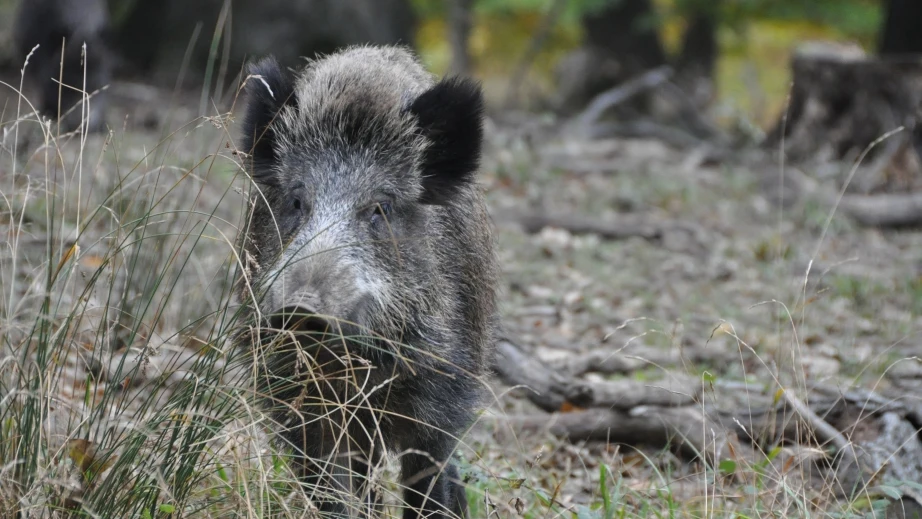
x,y
914,288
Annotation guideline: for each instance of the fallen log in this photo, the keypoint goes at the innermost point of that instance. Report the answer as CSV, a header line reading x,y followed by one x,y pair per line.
x,y
675,390
879,210
671,234
684,429
617,362
608,362
884,210
675,413
544,387
627,227
553,389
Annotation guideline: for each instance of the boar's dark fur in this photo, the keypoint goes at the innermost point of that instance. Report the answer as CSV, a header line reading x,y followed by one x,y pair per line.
x,y
366,218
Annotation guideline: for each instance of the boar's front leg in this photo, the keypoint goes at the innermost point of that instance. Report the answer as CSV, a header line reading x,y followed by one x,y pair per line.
x,y
432,486
333,483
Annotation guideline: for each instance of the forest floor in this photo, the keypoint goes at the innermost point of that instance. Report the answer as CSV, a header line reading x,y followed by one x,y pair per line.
x,y
748,289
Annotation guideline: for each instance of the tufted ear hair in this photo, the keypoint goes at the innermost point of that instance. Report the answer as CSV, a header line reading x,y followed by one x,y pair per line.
x,y
450,115
269,88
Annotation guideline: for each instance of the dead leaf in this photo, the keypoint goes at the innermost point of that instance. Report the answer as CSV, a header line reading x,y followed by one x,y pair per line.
x,y
567,407
788,463
84,455
92,261
519,505
71,252
82,452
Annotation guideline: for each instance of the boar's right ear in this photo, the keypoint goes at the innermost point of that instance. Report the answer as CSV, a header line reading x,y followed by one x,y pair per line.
x,y
450,116
269,88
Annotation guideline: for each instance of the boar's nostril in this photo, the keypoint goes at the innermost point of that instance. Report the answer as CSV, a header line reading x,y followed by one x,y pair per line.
x,y
300,319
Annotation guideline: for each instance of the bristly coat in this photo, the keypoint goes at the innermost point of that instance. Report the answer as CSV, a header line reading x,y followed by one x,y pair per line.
x,y
366,210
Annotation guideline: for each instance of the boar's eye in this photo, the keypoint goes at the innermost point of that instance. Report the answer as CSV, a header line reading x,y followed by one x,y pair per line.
x,y
297,205
291,209
297,209
380,211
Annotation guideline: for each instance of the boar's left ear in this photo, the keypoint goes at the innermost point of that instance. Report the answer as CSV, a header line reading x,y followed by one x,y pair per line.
x,y
450,115
269,88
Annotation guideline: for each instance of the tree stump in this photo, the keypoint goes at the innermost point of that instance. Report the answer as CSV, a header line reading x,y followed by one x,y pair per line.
x,y
842,101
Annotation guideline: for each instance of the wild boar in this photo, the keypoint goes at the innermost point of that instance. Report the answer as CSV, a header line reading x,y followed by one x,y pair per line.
x,y
370,257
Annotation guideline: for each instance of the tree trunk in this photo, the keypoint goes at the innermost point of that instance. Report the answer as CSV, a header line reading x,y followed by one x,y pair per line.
x,y
620,42
461,20
156,38
900,33
697,60
626,29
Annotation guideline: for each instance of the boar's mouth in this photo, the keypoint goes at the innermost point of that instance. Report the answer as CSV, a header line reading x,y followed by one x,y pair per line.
x,y
305,324
297,333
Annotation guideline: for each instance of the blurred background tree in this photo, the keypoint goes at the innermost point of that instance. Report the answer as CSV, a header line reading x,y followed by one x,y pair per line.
x,y
900,33
732,52
735,52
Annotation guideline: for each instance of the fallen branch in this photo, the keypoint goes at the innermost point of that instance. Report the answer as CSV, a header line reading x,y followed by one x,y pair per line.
x,y
645,129
824,432
619,94
765,423
872,175
692,118
853,465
